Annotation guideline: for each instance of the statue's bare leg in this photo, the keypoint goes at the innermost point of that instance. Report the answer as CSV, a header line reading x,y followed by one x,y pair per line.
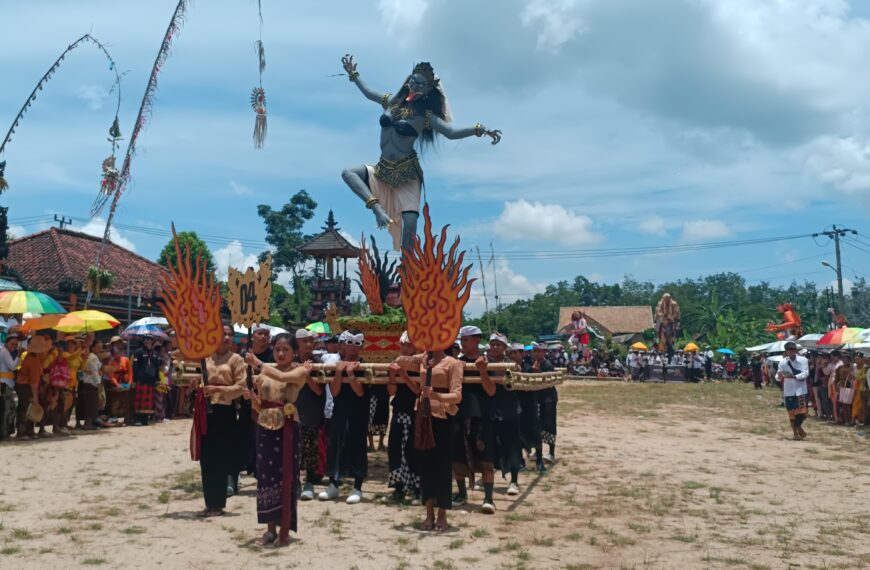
x,y
409,229
356,179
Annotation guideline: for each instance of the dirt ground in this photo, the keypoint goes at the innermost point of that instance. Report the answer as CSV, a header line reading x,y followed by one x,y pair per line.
x,y
649,476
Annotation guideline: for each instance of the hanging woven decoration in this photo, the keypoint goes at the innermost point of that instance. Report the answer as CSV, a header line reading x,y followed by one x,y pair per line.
x,y
258,104
3,184
258,95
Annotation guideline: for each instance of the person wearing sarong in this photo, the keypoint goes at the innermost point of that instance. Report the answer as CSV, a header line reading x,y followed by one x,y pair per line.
x,y
379,415
27,385
88,400
793,372
404,388
47,395
529,418
444,394
346,447
119,383
548,398
9,362
277,438
506,417
146,376
75,360
844,382
309,407
216,438
474,447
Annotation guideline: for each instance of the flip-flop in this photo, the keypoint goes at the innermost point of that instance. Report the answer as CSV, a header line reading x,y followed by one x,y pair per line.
x,y
427,526
268,538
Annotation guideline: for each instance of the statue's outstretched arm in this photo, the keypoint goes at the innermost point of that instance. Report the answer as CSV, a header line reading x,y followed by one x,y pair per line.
x,y
453,133
350,67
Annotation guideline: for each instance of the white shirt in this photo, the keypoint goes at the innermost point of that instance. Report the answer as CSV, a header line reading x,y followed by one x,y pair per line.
x,y
797,385
7,364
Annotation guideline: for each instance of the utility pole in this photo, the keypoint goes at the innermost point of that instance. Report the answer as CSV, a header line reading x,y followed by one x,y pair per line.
x,y
835,234
62,221
483,284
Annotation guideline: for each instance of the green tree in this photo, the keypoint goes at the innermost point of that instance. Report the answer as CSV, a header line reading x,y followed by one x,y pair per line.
x,y
197,246
284,234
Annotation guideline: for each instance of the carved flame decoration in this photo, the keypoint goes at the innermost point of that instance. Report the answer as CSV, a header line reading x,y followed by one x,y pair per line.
x,y
435,289
192,304
368,278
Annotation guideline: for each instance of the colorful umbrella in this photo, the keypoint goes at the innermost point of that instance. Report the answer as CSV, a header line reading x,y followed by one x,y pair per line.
x,y
691,347
841,336
155,321
41,322
639,346
15,302
320,328
725,351
144,330
86,321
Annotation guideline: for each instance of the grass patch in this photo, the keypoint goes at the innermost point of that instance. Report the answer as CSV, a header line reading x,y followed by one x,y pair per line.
x,y
454,544
443,565
687,538
22,534
639,528
133,530
187,482
479,533
543,541
513,545
574,537
692,485
9,550
6,507
163,497
66,515
94,561
64,530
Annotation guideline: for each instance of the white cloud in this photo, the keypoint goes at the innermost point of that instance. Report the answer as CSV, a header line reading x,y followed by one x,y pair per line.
x,y
653,225
240,189
700,230
97,227
402,15
843,163
92,95
847,285
353,241
522,220
232,255
512,286
556,22
15,232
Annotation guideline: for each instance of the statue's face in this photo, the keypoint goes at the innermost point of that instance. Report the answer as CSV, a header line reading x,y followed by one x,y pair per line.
x,y
418,86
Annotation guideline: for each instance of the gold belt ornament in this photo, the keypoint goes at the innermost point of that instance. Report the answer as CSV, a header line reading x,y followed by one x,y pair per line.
x,y
396,173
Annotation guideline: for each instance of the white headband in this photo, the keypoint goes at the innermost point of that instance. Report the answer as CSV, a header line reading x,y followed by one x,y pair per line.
x,y
348,338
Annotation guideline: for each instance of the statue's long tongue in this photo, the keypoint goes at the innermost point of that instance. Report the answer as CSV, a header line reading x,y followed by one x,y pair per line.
x,y
411,96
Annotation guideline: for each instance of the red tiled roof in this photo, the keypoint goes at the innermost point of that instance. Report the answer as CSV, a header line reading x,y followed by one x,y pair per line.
x,y
45,258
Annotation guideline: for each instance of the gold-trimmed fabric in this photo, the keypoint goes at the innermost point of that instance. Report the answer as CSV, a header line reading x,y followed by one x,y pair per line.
x,y
402,111
385,99
399,192
396,173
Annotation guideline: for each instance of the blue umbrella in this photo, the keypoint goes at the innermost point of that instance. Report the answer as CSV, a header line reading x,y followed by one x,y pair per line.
x,y
725,351
144,330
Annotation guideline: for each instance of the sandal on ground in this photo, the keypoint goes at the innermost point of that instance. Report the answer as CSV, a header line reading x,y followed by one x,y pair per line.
x,y
442,528
207,512
268,538
427,525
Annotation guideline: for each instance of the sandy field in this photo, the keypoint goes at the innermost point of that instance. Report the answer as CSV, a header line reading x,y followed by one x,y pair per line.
x,y
649,476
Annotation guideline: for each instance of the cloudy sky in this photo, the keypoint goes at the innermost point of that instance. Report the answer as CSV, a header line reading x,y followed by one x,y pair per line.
x,y
627,123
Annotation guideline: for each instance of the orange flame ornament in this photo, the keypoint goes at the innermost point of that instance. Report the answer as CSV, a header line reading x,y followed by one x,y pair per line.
x,y
368,279
192,304
435,289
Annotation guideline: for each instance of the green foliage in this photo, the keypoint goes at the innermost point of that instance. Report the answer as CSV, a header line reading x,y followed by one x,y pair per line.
x,y
391,316
284,230
720,309
197,246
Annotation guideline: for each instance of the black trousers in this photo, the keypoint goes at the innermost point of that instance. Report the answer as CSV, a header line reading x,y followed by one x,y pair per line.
x,y
347,445
220,454
436,468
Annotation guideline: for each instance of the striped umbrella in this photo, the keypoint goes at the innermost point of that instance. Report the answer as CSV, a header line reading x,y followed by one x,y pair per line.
x,y
144,330
841,336
16,302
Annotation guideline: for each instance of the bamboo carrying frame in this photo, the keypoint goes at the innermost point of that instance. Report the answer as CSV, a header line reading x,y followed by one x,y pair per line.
x,y
378,373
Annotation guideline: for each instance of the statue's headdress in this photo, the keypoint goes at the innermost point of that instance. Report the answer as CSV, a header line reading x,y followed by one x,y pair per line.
x,y
424,68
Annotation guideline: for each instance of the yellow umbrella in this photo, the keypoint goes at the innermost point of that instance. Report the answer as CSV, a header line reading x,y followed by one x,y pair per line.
x,y
691,347
86,321
639,346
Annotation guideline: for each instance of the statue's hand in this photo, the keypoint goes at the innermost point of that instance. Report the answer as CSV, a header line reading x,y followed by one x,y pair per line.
x,y
495,135
348,64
